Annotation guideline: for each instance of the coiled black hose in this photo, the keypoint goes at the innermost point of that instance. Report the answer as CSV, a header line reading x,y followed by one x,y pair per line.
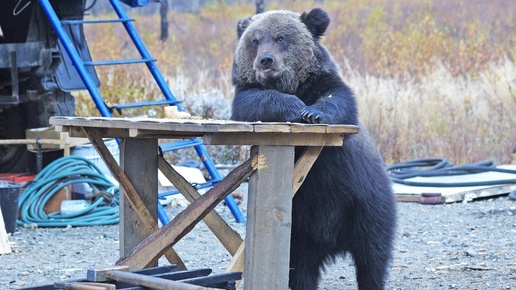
x,y
400,172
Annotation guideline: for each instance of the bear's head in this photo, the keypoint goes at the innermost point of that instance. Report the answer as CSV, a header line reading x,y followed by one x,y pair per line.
x,y
280,49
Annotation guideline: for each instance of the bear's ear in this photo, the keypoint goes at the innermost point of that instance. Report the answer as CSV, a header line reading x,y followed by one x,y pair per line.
x,y
316,21
242,25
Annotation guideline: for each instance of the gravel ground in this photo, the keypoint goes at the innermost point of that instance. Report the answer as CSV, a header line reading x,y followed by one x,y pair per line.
x,y
454,246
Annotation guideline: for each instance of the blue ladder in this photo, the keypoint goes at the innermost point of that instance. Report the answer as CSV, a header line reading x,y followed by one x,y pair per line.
x,y
146,58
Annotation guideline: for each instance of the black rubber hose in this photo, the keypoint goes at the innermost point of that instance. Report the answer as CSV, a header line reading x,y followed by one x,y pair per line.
x,y
399,172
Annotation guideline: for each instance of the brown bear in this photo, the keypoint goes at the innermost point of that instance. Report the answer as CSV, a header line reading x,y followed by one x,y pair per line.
x,y
282,73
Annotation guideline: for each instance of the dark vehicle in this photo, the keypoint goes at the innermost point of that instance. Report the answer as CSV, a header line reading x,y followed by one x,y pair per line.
x,y
36,75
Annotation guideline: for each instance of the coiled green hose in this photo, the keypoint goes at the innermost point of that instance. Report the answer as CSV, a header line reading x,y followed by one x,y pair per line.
x,y
60,173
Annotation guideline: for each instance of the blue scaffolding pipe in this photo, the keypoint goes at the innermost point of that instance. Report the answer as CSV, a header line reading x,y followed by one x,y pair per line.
x,y
210,167
142,49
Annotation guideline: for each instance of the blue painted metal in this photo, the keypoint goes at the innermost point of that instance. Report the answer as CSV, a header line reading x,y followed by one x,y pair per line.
x,y
162,214
96,21
197,186
135,3
150,62
116,62
210,167
142,49
180,144
146,104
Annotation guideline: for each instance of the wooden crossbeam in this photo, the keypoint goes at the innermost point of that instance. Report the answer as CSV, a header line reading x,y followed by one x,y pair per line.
x,y
304,164
65,144
229,238
133,197
155,244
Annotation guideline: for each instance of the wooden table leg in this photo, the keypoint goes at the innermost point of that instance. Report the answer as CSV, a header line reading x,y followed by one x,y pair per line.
x,y
137,156
269,221
301,169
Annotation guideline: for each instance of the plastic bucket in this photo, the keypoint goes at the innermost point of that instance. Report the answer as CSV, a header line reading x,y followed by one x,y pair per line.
x,y
9,193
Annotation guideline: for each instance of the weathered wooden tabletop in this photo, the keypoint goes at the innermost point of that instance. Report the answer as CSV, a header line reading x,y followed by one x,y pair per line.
x,y
213,132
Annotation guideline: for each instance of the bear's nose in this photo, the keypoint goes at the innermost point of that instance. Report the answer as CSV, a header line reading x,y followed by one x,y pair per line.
x,y
266,60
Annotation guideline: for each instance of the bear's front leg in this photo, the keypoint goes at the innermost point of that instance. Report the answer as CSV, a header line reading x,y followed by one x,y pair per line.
x,y
329,100
255,104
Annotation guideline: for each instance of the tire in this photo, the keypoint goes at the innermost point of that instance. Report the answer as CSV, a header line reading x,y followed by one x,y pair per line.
x,y
15,120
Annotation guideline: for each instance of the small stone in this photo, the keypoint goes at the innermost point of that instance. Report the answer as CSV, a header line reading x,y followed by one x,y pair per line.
x,y
471,253
31,226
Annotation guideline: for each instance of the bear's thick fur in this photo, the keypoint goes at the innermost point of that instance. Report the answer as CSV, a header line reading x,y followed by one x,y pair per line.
x,y
282,73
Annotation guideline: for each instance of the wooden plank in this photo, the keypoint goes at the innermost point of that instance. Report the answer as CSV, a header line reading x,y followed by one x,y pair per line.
x,y
454,193
236,127
344,129
308,128
5,248
153,246
229,238
237,263
282,139
159,134
148,281
269,219
164,125
32,141
303,165
408,197
463,196
129,192
269,128
484,192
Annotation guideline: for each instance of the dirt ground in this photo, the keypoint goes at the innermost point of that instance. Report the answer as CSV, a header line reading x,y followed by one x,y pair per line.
x,y
453,246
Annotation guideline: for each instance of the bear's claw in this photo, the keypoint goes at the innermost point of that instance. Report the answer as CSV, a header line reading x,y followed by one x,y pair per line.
x,y
311,115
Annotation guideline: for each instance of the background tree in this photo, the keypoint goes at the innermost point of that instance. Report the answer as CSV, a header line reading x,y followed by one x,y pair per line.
x,y
164,20
260,6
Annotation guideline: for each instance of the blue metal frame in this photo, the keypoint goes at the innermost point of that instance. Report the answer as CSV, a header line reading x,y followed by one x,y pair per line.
x,y
105,111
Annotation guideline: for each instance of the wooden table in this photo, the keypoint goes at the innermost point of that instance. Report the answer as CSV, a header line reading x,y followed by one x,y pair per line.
x,y
273,180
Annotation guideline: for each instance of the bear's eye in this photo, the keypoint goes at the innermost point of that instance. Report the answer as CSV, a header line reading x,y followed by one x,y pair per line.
x,y
255,41
280,39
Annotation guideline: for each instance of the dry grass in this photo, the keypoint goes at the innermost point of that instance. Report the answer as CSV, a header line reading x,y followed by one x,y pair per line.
x,y
432,78
463,119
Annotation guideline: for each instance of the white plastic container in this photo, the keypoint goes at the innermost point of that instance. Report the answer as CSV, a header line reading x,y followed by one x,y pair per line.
x,y
88,151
